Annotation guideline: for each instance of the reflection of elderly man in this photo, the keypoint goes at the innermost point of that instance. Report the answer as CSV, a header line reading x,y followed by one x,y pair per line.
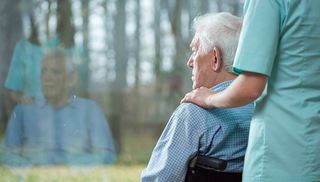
x,y
60,129
193,130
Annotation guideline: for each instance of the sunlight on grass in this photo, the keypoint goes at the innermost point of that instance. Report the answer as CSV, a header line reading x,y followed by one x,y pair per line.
x,y
117,173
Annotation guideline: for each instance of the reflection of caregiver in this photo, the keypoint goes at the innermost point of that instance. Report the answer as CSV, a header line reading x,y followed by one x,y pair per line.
x,y
23,79
24,72
279,46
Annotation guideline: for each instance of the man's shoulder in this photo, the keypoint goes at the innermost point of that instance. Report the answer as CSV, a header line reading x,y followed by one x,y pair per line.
x,y
191,111
90,108
87,105
74,101
36,104
22,110
84,101
189,114
190,108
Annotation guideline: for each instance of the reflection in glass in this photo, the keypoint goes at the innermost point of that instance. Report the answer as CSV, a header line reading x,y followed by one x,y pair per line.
x,y
59,129
130,60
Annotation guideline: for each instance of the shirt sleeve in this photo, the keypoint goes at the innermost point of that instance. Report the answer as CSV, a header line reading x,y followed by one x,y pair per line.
x,y
103,150
10,148
178,143
259,37
16,75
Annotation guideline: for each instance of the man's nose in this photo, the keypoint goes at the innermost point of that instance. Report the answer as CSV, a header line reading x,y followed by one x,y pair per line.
x,y
45,76
190,62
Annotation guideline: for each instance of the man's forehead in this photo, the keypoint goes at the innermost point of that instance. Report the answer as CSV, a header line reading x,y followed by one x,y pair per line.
x,y
196,37
195,40
53,60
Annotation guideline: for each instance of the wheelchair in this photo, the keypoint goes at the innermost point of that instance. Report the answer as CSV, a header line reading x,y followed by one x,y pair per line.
x,y
204,169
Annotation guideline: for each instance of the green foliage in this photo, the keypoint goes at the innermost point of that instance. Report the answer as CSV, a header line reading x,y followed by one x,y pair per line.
x,y
137,149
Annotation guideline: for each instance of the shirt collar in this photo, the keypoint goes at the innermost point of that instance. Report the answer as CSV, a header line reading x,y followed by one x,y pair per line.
x,y
42,102
222,86
50,43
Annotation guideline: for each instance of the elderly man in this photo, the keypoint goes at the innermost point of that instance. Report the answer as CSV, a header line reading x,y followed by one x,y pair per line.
x,y
60,129
193,130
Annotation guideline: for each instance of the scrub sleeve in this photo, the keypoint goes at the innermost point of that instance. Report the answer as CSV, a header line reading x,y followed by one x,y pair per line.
x,y
24,71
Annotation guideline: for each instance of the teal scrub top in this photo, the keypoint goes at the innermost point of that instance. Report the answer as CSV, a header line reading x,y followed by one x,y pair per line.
x,y
24,71
281,39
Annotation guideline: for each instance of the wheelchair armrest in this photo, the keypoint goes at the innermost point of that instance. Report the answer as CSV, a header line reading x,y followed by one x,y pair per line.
x,y
208,162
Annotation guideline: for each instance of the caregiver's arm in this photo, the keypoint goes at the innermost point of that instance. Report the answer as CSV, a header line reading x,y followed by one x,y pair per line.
x,y
246,88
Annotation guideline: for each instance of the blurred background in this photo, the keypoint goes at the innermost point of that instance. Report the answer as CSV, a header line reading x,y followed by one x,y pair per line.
x,y
132,63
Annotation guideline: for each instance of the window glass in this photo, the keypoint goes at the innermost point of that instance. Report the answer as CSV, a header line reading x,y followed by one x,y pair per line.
x,y
87,86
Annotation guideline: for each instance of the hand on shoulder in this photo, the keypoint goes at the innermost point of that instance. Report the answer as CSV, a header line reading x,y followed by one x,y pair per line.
x,y
27,99
200,96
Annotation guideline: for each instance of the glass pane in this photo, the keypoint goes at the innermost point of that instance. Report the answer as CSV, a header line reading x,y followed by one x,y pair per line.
x,y
87,86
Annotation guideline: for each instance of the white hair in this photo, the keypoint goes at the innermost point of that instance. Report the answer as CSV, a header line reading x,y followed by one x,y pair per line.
x,y
219,30
69,59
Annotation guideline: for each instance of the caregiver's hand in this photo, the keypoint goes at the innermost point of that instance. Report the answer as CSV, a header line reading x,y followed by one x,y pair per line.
x,y
27,99
200,96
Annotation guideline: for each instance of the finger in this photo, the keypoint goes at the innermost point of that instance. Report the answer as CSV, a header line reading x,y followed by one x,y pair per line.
x,y
186,97
182,101
23,100
27,100
31,100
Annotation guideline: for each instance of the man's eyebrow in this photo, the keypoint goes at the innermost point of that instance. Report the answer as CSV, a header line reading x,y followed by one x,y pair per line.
x,y
192,44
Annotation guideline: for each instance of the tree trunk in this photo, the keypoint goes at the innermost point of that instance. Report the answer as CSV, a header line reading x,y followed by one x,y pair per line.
x,y
137,49
10,34
117,87
84,67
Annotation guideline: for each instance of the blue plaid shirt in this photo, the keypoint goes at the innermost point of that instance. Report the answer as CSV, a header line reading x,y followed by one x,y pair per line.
x,y
215,132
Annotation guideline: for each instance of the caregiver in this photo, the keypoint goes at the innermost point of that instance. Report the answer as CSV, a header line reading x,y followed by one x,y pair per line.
x,y
278,59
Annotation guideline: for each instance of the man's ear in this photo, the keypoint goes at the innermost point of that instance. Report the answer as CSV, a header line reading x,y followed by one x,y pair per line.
x,y
217,59
73,79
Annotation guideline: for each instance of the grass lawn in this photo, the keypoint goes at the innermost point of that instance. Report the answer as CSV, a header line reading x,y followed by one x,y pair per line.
x,y
116,173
